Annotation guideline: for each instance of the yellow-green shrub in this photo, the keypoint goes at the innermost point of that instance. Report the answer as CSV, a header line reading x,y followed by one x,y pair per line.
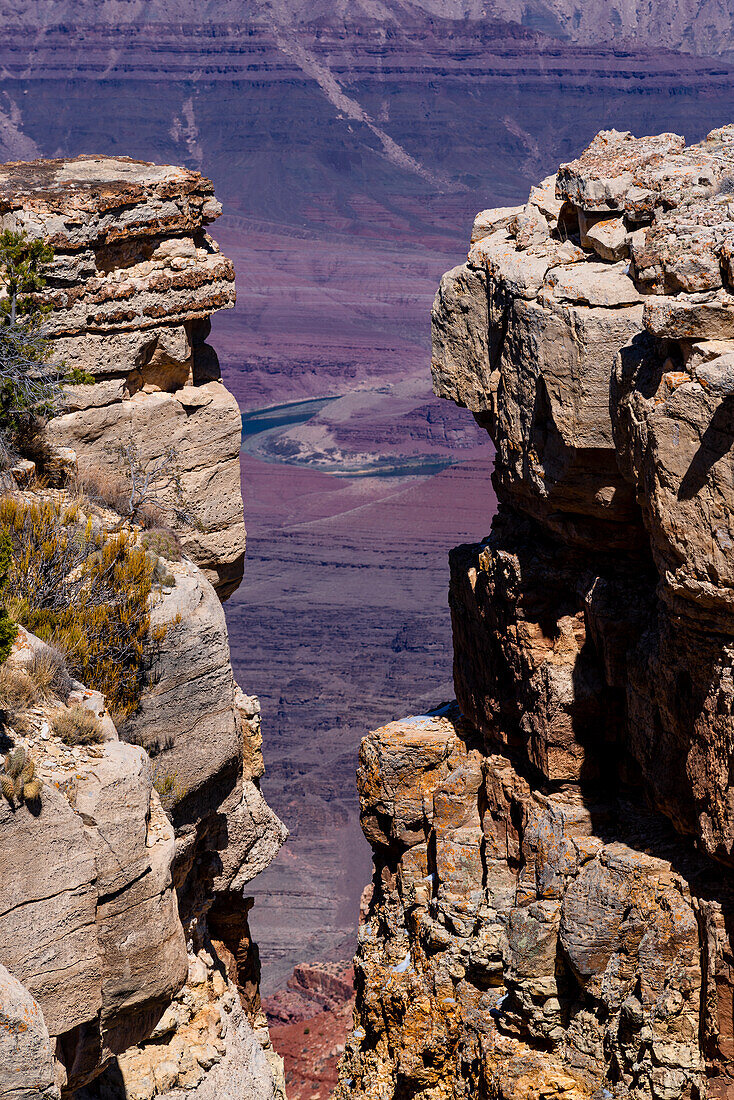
x,y
85,592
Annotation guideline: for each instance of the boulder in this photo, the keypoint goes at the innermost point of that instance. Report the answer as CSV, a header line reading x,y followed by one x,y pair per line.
x,y
27,1064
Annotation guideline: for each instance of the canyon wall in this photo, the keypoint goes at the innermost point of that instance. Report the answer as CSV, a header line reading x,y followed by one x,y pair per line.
x,y
552,895
125,943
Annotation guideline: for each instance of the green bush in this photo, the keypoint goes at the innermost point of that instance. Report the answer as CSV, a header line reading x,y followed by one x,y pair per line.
x,y
79,377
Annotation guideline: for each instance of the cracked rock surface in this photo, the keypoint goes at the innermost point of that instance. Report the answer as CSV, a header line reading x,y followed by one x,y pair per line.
x,y
134,281
552,906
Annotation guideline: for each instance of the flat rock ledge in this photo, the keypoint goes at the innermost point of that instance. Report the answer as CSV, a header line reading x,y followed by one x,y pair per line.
x,y
552,905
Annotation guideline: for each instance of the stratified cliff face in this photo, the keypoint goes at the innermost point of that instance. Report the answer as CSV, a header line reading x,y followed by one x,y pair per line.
x,y
127,965
700,26
552,909
134,281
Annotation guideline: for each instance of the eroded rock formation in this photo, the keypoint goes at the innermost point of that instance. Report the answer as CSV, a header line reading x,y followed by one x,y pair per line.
x,y
552,909
90,924
124,933
134,281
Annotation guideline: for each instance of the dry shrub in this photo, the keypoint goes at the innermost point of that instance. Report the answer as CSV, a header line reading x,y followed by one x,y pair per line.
x,y
76,725
18,690
108,489
86,593
49,669
102,487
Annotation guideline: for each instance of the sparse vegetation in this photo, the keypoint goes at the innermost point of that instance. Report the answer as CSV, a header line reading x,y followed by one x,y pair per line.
x,y
84,592
108,489
169,789
155,746
76,725
145,493
49,669
162,542
153,485
24,687
18,689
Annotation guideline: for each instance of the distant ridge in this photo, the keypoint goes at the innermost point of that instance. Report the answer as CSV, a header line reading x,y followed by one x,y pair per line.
x,y
704,27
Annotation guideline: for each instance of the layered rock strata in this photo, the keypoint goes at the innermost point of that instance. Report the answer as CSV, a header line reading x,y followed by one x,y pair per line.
x,y
552,906
133,283
90,926
116,900
124,931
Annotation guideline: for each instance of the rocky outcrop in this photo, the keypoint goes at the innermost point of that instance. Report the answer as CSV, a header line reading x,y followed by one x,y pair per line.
x,y
204,1045
123,900
131,858
552,904
90,924
102,894
133,283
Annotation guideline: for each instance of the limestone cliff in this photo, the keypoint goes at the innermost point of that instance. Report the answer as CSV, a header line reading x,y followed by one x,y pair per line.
x,y
134,281
552,906
127,965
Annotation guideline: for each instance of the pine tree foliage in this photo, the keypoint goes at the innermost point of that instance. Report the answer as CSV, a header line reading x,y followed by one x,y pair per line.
x,y
30,386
